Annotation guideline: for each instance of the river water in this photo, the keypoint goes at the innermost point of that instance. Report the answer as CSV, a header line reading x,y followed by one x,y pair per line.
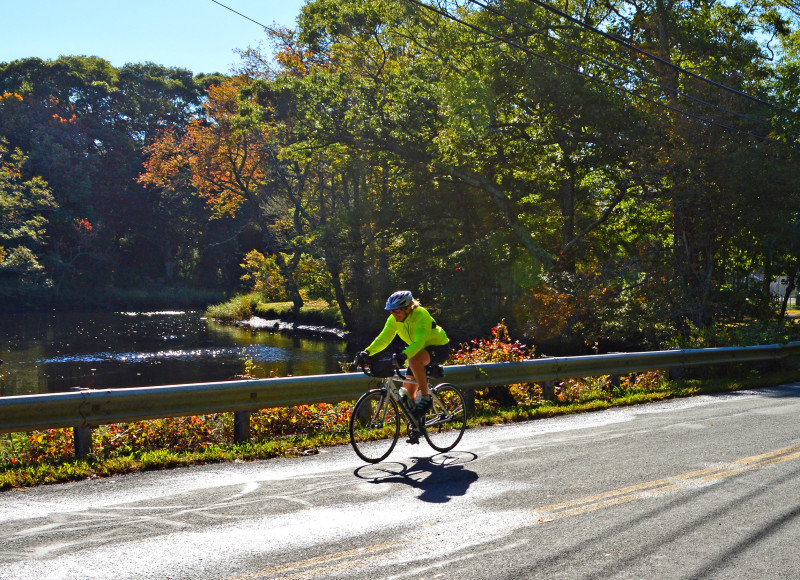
x,y
54,352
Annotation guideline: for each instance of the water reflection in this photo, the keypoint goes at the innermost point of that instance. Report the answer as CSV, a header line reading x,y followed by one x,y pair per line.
x,y
57,351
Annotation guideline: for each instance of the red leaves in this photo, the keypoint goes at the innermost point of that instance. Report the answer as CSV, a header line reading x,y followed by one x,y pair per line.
x,y
498,349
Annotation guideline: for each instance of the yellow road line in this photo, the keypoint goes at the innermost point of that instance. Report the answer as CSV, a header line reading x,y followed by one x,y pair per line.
x,y
329,561
665,485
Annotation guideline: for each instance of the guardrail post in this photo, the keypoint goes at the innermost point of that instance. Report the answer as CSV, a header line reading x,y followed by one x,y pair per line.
x,y
82,437
81,434
241,426
549,390
469,401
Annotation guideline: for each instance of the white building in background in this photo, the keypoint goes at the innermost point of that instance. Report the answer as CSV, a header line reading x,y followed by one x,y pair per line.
x,y
778,289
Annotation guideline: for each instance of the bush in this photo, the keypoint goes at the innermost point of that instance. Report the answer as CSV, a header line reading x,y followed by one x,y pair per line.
x,y
499,348
238,308
264,276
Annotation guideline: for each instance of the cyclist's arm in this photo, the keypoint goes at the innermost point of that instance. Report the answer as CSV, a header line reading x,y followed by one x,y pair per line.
x,y
385,338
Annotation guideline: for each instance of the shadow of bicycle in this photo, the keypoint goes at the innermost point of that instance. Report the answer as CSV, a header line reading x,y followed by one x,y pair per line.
x,y
440,478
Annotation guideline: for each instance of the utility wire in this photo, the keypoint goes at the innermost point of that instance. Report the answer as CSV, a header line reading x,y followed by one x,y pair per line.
x,y
269,28
641,51
618,67
793,8
527,50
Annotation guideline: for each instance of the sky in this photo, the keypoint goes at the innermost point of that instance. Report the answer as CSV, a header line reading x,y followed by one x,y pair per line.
x,y
198,35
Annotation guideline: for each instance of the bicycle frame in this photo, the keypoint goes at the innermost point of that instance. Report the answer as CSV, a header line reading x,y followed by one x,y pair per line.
x,y
391,388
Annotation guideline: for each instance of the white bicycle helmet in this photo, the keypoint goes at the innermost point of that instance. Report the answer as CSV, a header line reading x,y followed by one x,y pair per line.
x,y
400,299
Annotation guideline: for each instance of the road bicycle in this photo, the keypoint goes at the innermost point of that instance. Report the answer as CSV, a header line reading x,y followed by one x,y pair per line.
x,y
375,422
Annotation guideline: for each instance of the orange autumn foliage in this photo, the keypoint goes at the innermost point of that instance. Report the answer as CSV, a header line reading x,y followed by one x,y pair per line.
x,y
219,155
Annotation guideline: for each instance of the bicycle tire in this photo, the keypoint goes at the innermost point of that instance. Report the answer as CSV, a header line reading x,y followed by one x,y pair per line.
x,y
374,426
445,425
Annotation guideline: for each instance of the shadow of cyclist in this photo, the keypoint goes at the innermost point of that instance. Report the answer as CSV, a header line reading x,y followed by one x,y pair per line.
x,y
440,477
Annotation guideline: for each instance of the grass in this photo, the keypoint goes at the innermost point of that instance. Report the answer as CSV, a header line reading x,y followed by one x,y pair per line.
x,y
244,306
201,440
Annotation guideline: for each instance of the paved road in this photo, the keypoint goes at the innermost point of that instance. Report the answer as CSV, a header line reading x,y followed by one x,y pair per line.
x,y
707,487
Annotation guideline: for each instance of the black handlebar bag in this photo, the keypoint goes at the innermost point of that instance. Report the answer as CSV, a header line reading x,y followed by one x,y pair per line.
x,y
379,366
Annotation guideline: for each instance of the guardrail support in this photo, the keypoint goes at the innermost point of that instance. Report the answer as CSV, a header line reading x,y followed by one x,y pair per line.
x,y
241,426
82,437
469,401
549,390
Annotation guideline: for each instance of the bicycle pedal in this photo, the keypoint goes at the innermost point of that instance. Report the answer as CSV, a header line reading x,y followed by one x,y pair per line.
x,y
413,437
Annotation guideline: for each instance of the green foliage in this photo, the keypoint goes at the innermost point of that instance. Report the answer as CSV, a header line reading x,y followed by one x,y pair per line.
x,y
23,208
241,307
264,277
741,334
313,312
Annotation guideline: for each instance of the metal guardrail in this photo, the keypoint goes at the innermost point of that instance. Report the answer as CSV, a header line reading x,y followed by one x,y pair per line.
x,y
85,409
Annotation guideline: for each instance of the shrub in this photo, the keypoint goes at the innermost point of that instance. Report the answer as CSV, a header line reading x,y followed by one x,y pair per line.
x,y
499,348
264,276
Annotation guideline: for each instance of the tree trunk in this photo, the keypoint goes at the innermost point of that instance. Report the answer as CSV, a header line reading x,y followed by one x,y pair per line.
x,y
791,280
335,272
567,223
294,291
169,262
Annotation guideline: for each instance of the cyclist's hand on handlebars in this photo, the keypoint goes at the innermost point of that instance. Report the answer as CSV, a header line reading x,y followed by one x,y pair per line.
x,y
400,358
359,360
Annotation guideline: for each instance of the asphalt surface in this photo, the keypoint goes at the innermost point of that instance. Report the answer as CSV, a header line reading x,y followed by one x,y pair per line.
x,y
707,487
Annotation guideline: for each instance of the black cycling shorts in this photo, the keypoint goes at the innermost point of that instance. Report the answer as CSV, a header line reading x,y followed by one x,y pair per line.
x,y
439,354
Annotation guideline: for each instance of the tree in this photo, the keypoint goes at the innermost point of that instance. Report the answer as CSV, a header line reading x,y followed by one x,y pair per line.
x,y
23,205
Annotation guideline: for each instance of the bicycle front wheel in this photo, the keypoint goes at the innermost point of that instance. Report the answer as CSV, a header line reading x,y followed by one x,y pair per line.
x,y
447,419
374,426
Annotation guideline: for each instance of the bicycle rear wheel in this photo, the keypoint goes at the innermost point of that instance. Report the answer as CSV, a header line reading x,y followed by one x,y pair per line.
x,y
447,419
374,426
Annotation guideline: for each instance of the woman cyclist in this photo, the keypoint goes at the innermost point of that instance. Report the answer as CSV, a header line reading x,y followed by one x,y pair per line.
x,y
427,343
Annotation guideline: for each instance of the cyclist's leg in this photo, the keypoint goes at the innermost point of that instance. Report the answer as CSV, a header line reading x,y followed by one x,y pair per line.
x,y
417,364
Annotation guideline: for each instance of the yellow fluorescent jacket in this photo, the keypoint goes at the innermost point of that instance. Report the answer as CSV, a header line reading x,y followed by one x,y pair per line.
x,y
418,330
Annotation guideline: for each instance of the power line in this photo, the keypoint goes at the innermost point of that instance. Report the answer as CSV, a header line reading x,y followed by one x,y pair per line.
x,y
641,51
270,29
527,50
618,67
793,8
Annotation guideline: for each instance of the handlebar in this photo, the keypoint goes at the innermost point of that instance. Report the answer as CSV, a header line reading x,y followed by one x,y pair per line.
x,y
366,365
